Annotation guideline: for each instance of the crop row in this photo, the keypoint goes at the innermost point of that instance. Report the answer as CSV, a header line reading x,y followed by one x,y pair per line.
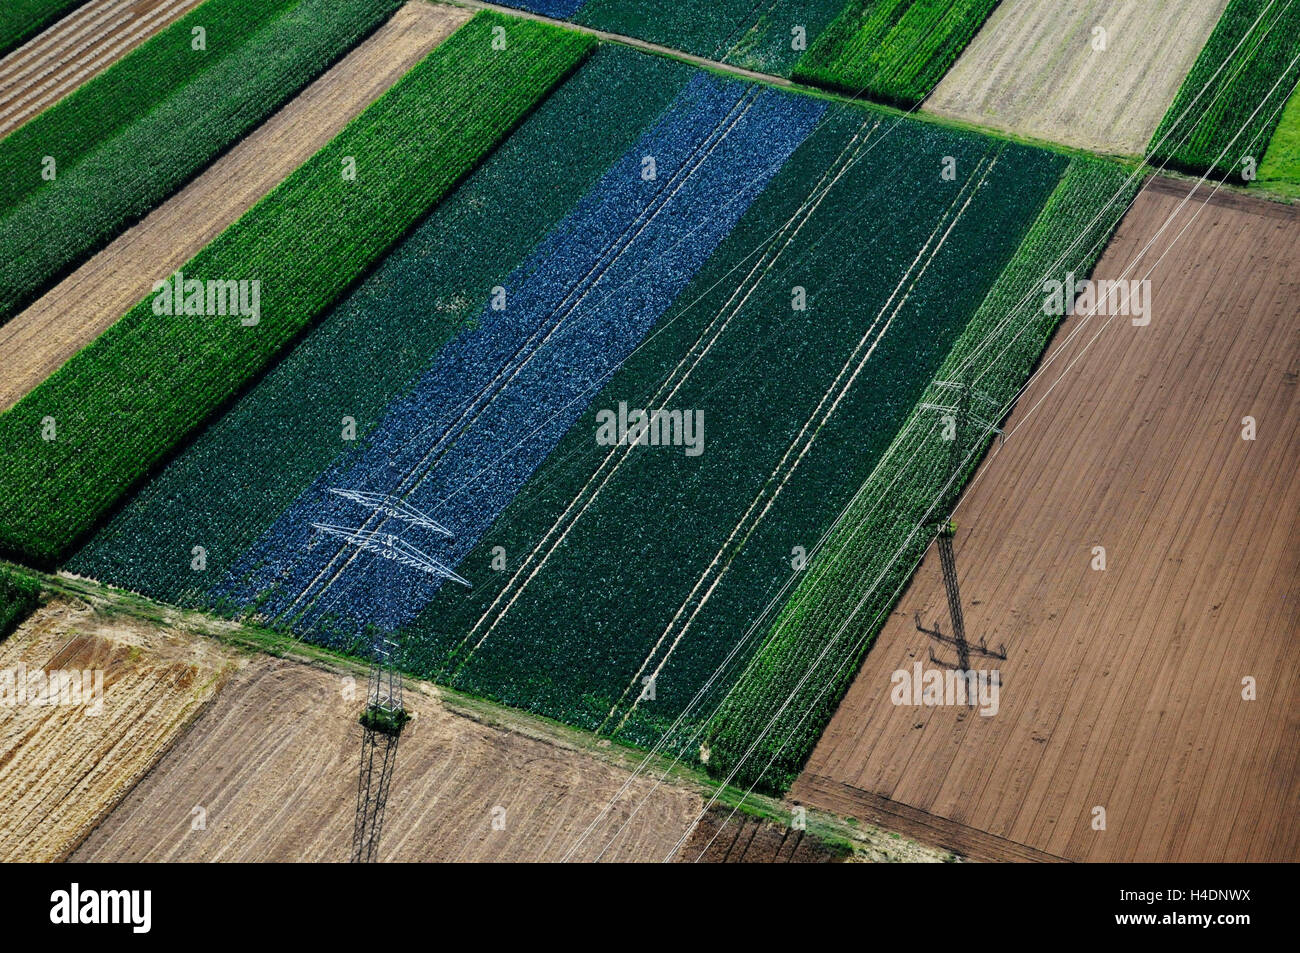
x,y
769,723
893,51
20,20
1223,118
121,405
19,596
120,179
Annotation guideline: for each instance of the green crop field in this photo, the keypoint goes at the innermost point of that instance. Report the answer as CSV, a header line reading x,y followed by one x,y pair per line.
x,y
894,51
755,36
1280,169
124,402
654,564
20,20
97,135
1223,118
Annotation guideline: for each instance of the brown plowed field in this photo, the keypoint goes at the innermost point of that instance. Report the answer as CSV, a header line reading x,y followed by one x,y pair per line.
x,y
86,42
62,767
274,765
40,339
1033,70
1123,688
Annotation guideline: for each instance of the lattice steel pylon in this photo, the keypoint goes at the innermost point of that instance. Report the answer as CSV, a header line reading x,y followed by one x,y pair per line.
x,y
385,715
382,723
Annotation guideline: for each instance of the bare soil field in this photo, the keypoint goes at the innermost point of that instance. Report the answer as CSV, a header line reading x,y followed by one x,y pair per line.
x,y
90,39
1123,687
1033,69
274,765
62,767
40,339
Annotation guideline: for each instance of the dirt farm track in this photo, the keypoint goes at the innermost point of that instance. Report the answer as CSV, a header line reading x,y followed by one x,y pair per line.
x,y
1123,687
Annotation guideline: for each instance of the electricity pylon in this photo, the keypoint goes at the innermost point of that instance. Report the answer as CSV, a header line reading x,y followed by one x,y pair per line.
x,y
385,715
382,723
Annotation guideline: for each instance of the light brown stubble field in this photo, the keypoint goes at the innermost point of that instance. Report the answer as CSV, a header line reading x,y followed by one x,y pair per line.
x,y
1033,71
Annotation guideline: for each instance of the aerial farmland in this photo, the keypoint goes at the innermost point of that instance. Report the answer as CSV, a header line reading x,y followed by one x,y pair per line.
x,y
818,431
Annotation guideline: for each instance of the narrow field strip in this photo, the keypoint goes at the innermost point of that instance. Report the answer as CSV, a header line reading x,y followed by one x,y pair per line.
x,y
125,401
1260,80
892,51
75,50
23,19
1097,74
167,101
71,315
